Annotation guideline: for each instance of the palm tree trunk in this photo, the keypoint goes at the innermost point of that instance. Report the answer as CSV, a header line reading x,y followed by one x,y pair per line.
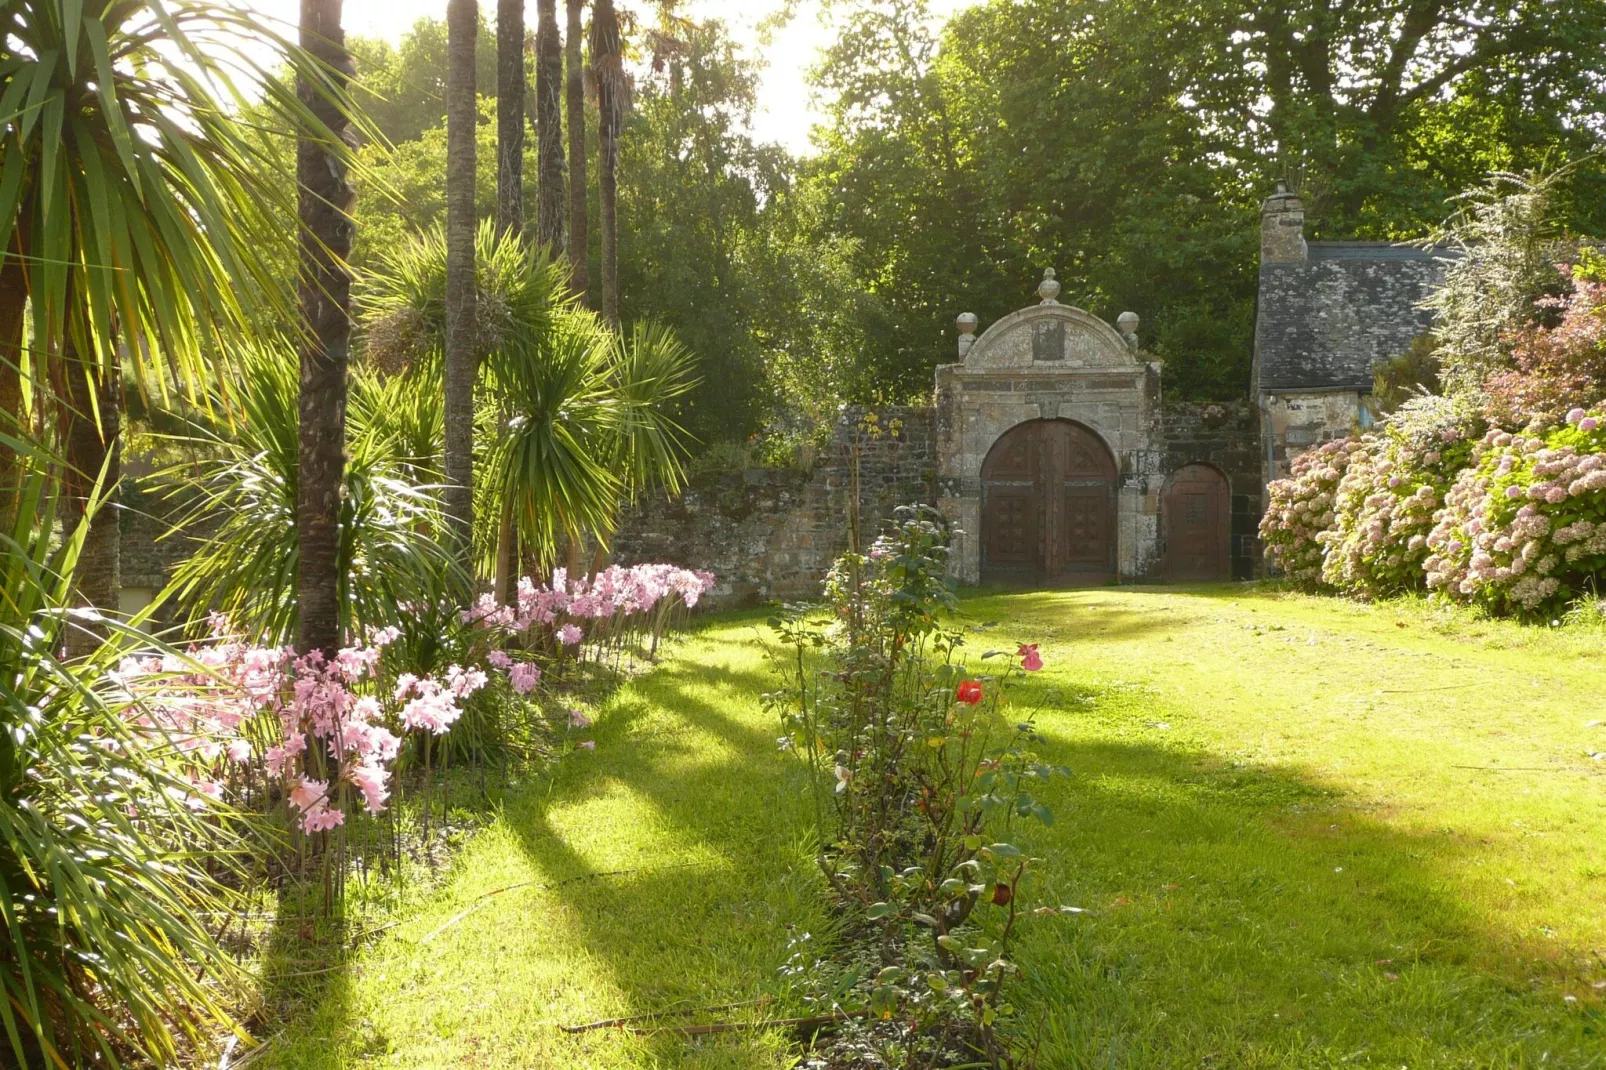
x,y
13,303
325,202
92,412
462,25
575,102
510,116
549,125
608,62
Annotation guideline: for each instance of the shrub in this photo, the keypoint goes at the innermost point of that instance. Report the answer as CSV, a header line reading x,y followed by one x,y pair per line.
x,y
109,858
1385,502
1560,364
1524,527
1301,508
918,778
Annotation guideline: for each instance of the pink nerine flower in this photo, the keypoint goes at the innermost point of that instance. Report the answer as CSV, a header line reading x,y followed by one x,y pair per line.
x,y
569,634
524,676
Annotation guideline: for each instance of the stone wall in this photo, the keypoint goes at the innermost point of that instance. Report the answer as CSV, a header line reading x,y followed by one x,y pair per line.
x,y
772,533
1225,435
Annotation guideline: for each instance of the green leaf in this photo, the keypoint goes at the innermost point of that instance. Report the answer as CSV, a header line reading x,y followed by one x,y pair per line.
x,y
877,911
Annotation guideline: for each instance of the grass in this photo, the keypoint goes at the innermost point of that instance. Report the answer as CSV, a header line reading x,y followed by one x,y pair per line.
x,y
1306,834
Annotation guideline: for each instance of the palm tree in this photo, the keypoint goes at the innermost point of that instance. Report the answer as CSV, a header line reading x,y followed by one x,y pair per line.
x,y
462,26
607,63
549,125
510,115
577,417
325,200
132,207
575,104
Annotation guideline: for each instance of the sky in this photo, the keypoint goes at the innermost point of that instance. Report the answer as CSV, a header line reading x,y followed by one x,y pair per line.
x,y
785,111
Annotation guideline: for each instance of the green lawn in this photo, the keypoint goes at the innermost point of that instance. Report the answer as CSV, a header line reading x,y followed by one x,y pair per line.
x,y
1307,834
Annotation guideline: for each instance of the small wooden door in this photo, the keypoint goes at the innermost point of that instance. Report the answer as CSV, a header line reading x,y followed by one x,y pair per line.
x,y
1198,524
1048,507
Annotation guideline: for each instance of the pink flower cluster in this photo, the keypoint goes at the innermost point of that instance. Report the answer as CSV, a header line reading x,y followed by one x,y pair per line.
x,y
615,594
1387,500
212,701
1301,508
1525,525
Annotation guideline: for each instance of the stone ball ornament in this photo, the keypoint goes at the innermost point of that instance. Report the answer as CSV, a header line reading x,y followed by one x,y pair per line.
x,y
966,322
1127,324
1049,288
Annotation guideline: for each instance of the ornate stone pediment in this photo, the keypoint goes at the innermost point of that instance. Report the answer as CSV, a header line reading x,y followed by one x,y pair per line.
x,y
1049,337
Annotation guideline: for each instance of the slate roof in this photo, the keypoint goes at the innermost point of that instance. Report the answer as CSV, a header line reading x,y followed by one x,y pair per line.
x,y
1323,323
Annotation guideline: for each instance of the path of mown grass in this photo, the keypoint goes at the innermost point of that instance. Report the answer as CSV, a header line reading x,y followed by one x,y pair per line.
x,y
1308,834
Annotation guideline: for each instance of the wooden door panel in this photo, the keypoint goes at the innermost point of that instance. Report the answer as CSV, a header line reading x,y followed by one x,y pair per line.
x,y
1198,520
1048,506
1085,541
1012,530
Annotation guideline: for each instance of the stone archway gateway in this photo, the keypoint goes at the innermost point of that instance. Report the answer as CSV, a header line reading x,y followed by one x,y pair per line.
x,y
1049,450
1048,507
1197,525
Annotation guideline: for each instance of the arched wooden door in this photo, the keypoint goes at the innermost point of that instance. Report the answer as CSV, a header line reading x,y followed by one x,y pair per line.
x,y
1198,524
1048,507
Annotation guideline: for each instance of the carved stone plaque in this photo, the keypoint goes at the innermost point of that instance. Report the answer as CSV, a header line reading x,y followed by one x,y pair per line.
x,y
1048,340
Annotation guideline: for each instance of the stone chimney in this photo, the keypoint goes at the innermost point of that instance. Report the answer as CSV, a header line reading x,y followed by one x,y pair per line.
x,y
1282,228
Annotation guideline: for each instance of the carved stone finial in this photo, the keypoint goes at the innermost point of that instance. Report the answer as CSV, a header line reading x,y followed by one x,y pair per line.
x,y
1048,289
1127,324
967,332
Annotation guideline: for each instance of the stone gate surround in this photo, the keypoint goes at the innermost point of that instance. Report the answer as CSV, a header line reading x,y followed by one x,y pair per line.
x,y
1051,361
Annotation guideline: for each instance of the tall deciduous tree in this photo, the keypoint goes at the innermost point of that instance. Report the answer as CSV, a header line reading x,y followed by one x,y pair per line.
x,y
326,200
510,115
575,105
549,126
607,65
460,359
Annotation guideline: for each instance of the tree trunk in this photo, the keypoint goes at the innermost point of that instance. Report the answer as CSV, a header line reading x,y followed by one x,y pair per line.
x,y
510,116
507,559
462,24
92,412
575,101
325,202
13,303
549,125
608,63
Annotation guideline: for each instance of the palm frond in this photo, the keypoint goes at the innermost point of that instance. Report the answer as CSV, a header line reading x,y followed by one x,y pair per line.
x,y
133,198
104,846
241,512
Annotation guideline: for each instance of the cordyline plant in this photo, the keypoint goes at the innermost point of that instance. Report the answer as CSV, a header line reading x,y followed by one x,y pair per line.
x,y
919,779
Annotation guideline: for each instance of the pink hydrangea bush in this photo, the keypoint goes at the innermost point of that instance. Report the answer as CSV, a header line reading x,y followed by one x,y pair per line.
x,y
1301,508
1390,491
1524,527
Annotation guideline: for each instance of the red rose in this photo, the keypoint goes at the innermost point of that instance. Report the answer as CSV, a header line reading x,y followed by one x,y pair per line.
x,y
969,692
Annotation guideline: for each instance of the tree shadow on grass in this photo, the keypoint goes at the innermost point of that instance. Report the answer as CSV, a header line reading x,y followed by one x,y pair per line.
x,y
1240,915
717,876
